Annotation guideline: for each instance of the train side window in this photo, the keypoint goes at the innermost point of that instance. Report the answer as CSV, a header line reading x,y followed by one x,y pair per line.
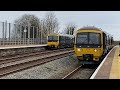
x,y
62,39
104,40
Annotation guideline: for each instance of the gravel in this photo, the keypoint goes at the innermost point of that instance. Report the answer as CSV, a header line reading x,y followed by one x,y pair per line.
x,y
83,74
27,59
51,70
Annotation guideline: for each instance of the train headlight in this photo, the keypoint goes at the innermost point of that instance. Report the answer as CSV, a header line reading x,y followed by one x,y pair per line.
x,y
79,49
95,50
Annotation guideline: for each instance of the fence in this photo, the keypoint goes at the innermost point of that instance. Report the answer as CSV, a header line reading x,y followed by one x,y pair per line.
x,y
13,34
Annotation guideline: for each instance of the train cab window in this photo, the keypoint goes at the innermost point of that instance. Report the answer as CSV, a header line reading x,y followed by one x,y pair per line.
x,y
55,38
52,38
94,38
82,38
88,39
49,38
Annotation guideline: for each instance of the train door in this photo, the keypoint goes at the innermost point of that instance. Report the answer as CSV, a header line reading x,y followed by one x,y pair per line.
x,y
105,43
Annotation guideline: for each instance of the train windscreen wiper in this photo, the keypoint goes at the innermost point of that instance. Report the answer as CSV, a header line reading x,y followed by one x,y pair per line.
x,y
92,42
84,41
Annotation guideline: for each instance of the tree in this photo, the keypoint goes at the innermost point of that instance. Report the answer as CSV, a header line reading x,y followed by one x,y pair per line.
x,y
70,28
25,23
50,23
28,26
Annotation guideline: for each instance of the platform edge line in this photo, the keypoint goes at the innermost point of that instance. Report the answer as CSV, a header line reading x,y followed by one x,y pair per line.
x,y
94,74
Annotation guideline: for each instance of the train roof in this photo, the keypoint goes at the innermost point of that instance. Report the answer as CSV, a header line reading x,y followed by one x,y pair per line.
x,y
93,28
64,35
90,28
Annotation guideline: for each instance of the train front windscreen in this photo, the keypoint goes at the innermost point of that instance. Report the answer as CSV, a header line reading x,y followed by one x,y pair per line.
x,y
88,40
52,38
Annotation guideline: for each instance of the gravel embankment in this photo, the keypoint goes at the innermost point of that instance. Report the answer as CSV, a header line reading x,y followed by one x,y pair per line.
x,y
51,70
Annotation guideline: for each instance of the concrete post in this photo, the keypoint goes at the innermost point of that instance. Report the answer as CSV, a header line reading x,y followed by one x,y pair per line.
x,y
33,34
29,33
3,34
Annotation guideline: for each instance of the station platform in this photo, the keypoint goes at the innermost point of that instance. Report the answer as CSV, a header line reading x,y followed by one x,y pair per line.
x,y
20,50
23,46
109,67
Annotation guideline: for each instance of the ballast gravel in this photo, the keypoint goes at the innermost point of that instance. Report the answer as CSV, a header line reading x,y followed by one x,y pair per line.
x,y
52,70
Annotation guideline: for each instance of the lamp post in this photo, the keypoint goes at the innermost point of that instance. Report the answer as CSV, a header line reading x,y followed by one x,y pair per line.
x,y
29,25
25,31
5,29
41,30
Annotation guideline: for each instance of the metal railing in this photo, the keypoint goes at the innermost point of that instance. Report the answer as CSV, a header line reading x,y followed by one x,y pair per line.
x,y
12,34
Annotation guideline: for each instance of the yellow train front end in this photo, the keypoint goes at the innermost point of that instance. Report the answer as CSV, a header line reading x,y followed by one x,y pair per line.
x,y
53,41
91,53
89,46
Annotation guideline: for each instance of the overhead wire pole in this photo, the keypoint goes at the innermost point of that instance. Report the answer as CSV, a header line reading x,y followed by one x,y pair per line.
x,y
41,30
20,33
9,31
41,36
15,34
5,31
36,35
3,34
33,34
29,25
25,35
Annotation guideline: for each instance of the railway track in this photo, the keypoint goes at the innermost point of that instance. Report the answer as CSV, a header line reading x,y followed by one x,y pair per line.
x,y
72,73
16,66
19,57
81,72
93,68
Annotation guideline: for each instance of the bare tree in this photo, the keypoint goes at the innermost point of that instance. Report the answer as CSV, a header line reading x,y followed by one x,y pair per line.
x,y
37,28
26,22
50,23
70,28
28,19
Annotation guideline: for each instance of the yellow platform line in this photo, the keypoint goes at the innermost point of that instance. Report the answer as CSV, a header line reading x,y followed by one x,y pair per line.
x,y
115,69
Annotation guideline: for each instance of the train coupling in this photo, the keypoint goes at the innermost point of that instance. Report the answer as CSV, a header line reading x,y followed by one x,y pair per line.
x,y
88,57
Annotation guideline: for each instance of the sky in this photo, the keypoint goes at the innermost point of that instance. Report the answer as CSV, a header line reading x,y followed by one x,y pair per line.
x,y
108,21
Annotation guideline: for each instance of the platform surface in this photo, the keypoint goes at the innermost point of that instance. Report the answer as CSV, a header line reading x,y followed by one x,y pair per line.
x,y
23,46
110,66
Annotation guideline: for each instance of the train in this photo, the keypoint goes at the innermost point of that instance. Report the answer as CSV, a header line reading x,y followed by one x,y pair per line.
x,y
60,41
92,44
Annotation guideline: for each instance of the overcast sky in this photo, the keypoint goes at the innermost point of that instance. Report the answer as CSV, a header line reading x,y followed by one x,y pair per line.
x,y
108,21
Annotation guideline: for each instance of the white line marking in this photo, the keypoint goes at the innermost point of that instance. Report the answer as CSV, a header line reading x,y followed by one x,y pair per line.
x,y
9,47
94,74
